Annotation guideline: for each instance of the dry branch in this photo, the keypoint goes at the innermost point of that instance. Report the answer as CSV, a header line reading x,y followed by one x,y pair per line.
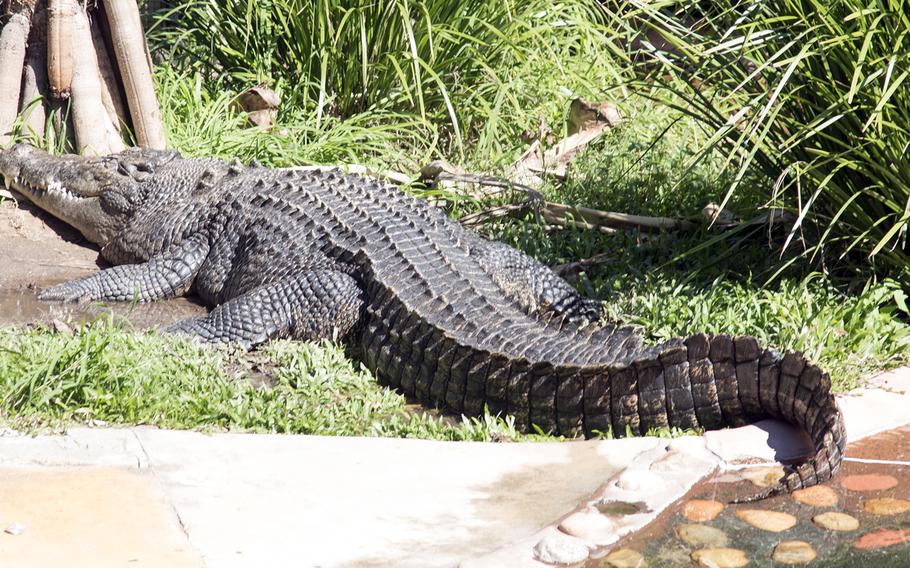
x,y
599,218
132,60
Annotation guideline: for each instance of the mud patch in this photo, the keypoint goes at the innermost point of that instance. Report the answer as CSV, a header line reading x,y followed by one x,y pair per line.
x,y
37,251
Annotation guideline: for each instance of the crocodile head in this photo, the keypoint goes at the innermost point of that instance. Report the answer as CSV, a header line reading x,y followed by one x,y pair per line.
x,y
97,196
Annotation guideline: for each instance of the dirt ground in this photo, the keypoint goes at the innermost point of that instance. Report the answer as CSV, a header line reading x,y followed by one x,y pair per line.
x,y
37,251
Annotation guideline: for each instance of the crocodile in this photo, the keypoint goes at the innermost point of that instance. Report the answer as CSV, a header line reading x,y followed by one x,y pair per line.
x,y
433,309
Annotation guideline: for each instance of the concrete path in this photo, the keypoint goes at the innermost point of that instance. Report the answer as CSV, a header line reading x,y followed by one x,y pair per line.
x,y
147,497
262,500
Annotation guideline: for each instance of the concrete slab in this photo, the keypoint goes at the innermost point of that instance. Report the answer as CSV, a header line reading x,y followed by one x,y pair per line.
x,y
313,501
106,447
89,518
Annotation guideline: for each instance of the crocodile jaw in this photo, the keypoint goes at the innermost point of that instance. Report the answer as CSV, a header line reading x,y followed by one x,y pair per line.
x,y
52,186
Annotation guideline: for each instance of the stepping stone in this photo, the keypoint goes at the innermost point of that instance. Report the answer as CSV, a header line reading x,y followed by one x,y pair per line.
x,y
883,538
699,536
763,476
590,525
700,510
720,558
834,521
886,506
771,521
793,552
624,558
560,548
816,496
868,482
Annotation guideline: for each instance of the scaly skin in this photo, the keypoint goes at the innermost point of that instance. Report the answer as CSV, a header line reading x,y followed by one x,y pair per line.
x,y
433,309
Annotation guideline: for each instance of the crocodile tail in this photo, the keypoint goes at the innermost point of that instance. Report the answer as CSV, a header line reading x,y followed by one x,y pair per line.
x,y
716,381
589,381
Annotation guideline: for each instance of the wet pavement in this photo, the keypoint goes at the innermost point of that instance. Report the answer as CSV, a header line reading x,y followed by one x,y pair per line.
x,y
861,518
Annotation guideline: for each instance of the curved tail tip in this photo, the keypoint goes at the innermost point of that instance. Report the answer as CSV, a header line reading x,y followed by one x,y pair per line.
x,y
779,489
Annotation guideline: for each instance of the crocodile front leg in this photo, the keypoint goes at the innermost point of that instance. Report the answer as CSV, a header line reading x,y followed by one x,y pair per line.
x,y
320,304
163,276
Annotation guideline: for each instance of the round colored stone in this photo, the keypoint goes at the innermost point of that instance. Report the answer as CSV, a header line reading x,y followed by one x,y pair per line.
x,y
772,521
763,476
620,508
699,536
720,558
793,552
816,496
886,506
883,538
868,482
624,558
834,521
701,510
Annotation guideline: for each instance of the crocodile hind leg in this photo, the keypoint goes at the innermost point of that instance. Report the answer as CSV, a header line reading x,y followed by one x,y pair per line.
x,y
319,304
163,276
537,288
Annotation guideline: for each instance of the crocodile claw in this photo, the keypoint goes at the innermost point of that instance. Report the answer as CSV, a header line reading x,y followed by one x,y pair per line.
x,y
68,292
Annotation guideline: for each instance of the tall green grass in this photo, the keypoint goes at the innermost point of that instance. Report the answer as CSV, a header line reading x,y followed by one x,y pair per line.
x,y
479,71
813,95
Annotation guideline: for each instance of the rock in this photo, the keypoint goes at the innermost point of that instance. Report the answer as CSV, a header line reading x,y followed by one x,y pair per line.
x,y
883,538
772,521
589,525
640,481
700,510
720,558
793,552
261,105
699,536
886,506
834,521
620,508
816,496
259,98
868,482
559,548
624,558
584,115
763,476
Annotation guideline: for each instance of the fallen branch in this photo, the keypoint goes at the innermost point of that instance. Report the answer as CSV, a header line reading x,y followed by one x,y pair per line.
x,y
481,217
613,220
571,270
